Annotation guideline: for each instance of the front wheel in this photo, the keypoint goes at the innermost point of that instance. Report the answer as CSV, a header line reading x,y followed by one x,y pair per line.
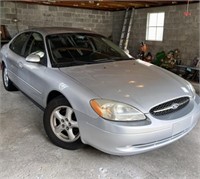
x,y
7,83
61,125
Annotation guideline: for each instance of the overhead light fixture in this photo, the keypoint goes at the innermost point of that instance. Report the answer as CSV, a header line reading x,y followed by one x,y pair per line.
x,y
51,1
46,2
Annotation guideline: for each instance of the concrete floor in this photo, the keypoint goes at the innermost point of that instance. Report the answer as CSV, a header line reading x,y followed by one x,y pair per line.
x,y
26,153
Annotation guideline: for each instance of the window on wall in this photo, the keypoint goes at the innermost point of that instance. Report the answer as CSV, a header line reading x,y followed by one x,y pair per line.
x,y
155,26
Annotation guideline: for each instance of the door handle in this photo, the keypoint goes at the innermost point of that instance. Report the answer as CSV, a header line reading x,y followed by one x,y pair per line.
x,y
20,64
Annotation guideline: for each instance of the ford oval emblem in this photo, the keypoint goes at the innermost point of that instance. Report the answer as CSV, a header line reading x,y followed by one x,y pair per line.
x,y
175,106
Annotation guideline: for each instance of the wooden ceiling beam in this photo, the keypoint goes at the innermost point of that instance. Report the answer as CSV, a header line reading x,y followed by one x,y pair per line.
x,y
108,5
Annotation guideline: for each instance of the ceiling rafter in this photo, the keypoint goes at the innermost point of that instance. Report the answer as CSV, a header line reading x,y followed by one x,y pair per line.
x,y
109,5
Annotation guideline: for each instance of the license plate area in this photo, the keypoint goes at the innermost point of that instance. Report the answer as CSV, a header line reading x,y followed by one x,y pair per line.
x,y
181,126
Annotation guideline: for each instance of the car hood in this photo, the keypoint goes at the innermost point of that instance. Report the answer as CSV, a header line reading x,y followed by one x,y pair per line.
x,y
135,82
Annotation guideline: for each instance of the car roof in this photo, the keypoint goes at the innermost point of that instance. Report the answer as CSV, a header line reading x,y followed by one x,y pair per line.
x,y
59,30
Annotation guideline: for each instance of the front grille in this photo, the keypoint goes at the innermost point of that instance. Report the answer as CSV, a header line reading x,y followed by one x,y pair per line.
x,y
170,106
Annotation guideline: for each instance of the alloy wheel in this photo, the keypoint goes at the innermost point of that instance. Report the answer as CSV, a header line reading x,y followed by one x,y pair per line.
x,y
64,124
5,77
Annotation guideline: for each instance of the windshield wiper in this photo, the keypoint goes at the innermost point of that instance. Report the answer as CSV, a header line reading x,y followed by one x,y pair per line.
x,y
121,58
104,60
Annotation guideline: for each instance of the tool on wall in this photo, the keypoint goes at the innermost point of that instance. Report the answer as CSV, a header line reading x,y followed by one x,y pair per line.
x,y
128,20
187,13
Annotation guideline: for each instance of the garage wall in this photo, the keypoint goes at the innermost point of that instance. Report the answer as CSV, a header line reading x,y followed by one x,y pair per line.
x,y
40,16
118,20
179,31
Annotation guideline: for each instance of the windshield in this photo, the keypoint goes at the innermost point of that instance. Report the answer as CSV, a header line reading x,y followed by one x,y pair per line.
x,y
81,49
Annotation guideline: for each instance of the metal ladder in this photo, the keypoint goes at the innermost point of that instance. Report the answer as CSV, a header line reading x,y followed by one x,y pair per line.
x,y
128,20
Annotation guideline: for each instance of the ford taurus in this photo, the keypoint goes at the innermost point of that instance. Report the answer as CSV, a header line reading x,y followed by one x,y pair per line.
x,y
93,93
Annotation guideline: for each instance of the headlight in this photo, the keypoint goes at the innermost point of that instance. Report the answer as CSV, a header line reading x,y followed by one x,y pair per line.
x,y
116,111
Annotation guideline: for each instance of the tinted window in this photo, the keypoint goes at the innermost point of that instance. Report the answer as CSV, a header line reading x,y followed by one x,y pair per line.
x,y
80,49
34,44
18,43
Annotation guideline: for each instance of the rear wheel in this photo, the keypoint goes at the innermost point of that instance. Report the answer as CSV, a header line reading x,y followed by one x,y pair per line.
x,y
7,83
61,125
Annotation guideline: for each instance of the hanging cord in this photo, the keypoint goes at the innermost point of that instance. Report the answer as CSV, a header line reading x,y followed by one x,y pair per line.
x,y
188,3
16,19
187,13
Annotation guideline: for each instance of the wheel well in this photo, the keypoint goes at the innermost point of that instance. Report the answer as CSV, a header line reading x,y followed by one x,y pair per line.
x,y
52,95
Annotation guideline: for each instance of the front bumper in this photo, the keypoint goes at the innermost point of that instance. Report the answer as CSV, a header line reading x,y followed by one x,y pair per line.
x,y
125,139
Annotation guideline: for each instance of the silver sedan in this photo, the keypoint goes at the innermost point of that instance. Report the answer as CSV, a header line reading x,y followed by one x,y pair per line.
x,y
94,93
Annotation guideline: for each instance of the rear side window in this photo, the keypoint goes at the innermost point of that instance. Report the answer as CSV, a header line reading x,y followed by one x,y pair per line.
x,y
19,42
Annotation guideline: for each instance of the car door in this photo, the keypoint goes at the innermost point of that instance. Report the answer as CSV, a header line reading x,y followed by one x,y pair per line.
x,y
14,57
32,75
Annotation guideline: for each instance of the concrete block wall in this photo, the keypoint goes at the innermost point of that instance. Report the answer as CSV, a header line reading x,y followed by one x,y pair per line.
x,y
118,20
179,31
31,15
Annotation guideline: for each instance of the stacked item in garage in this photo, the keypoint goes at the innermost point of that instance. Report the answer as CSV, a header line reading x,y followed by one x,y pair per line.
x,y
168,60
5,36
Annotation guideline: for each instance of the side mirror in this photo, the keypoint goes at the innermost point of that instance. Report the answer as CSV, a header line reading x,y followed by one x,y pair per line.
x,y
35,57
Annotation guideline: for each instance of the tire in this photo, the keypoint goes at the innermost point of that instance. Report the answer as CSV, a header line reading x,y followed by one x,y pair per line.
x,y
7,83
61,125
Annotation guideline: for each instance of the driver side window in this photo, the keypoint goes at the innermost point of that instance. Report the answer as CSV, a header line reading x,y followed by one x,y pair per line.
x,y
35,44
